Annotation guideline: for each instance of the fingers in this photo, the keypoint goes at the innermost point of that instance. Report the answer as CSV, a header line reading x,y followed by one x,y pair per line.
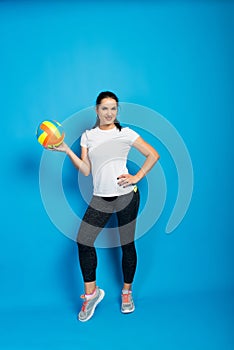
x,y
61,148
122,176
51,148
125,180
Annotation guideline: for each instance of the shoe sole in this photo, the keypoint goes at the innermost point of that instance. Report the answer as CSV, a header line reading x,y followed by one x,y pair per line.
x,y
128,311
101,296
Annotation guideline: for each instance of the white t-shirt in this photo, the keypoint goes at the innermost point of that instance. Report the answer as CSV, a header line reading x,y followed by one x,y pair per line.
x,y
108,151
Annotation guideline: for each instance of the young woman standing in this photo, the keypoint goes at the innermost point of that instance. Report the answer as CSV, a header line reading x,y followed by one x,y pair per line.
x,y
104,151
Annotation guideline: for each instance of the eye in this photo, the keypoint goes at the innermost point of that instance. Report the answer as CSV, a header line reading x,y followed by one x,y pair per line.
x,y
114,109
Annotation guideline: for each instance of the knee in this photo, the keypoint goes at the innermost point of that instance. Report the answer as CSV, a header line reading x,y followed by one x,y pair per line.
x,y
84,239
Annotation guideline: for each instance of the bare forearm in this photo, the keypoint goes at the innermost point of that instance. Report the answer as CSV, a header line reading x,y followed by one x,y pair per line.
x,y
79,164
150,161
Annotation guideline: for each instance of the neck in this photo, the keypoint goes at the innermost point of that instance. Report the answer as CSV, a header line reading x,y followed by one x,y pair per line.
x,y
107,126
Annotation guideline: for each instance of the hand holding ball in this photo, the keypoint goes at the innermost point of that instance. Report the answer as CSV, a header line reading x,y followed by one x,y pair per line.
x,y
50,134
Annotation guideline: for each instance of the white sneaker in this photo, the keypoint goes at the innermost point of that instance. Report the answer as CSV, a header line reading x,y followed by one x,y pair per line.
x,y
89,305
127,303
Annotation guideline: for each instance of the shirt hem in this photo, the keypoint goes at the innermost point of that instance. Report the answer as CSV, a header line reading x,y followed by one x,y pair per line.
x,y
113,194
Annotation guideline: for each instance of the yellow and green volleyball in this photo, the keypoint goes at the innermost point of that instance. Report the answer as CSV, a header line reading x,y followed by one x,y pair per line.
x,y
50,133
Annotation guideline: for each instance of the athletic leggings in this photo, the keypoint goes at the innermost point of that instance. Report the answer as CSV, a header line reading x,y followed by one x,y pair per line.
x,y
95,218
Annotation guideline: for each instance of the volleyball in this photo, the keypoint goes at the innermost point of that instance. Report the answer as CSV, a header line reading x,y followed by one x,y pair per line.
x,y
50,133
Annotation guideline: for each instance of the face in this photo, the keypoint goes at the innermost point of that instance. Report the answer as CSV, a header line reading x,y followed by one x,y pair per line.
x,y
107,111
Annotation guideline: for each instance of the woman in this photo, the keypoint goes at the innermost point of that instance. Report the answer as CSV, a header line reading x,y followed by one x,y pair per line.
x,y
104,151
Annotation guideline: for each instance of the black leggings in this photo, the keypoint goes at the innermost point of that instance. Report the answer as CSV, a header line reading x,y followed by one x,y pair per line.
x,y
95,218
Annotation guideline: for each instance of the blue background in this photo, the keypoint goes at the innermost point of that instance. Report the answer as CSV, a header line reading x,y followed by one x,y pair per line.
x,y
176,58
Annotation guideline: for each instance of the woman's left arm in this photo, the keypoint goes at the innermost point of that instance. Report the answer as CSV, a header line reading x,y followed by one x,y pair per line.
x,y
152,157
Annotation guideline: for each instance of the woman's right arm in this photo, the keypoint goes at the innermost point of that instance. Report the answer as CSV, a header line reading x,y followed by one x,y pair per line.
x,y
82,163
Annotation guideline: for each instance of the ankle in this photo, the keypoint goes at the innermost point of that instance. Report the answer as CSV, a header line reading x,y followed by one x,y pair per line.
x,y
90,295
126,291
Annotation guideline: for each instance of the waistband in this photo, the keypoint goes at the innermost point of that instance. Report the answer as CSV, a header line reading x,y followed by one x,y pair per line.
x,y
110,199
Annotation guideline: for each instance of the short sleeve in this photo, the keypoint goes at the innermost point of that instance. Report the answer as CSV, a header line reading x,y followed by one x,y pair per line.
x,y
132,135
84,140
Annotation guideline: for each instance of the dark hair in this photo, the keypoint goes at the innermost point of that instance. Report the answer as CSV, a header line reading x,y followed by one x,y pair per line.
x,y
100,97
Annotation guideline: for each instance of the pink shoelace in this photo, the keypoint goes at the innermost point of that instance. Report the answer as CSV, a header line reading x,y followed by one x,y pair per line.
x,y
126,298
